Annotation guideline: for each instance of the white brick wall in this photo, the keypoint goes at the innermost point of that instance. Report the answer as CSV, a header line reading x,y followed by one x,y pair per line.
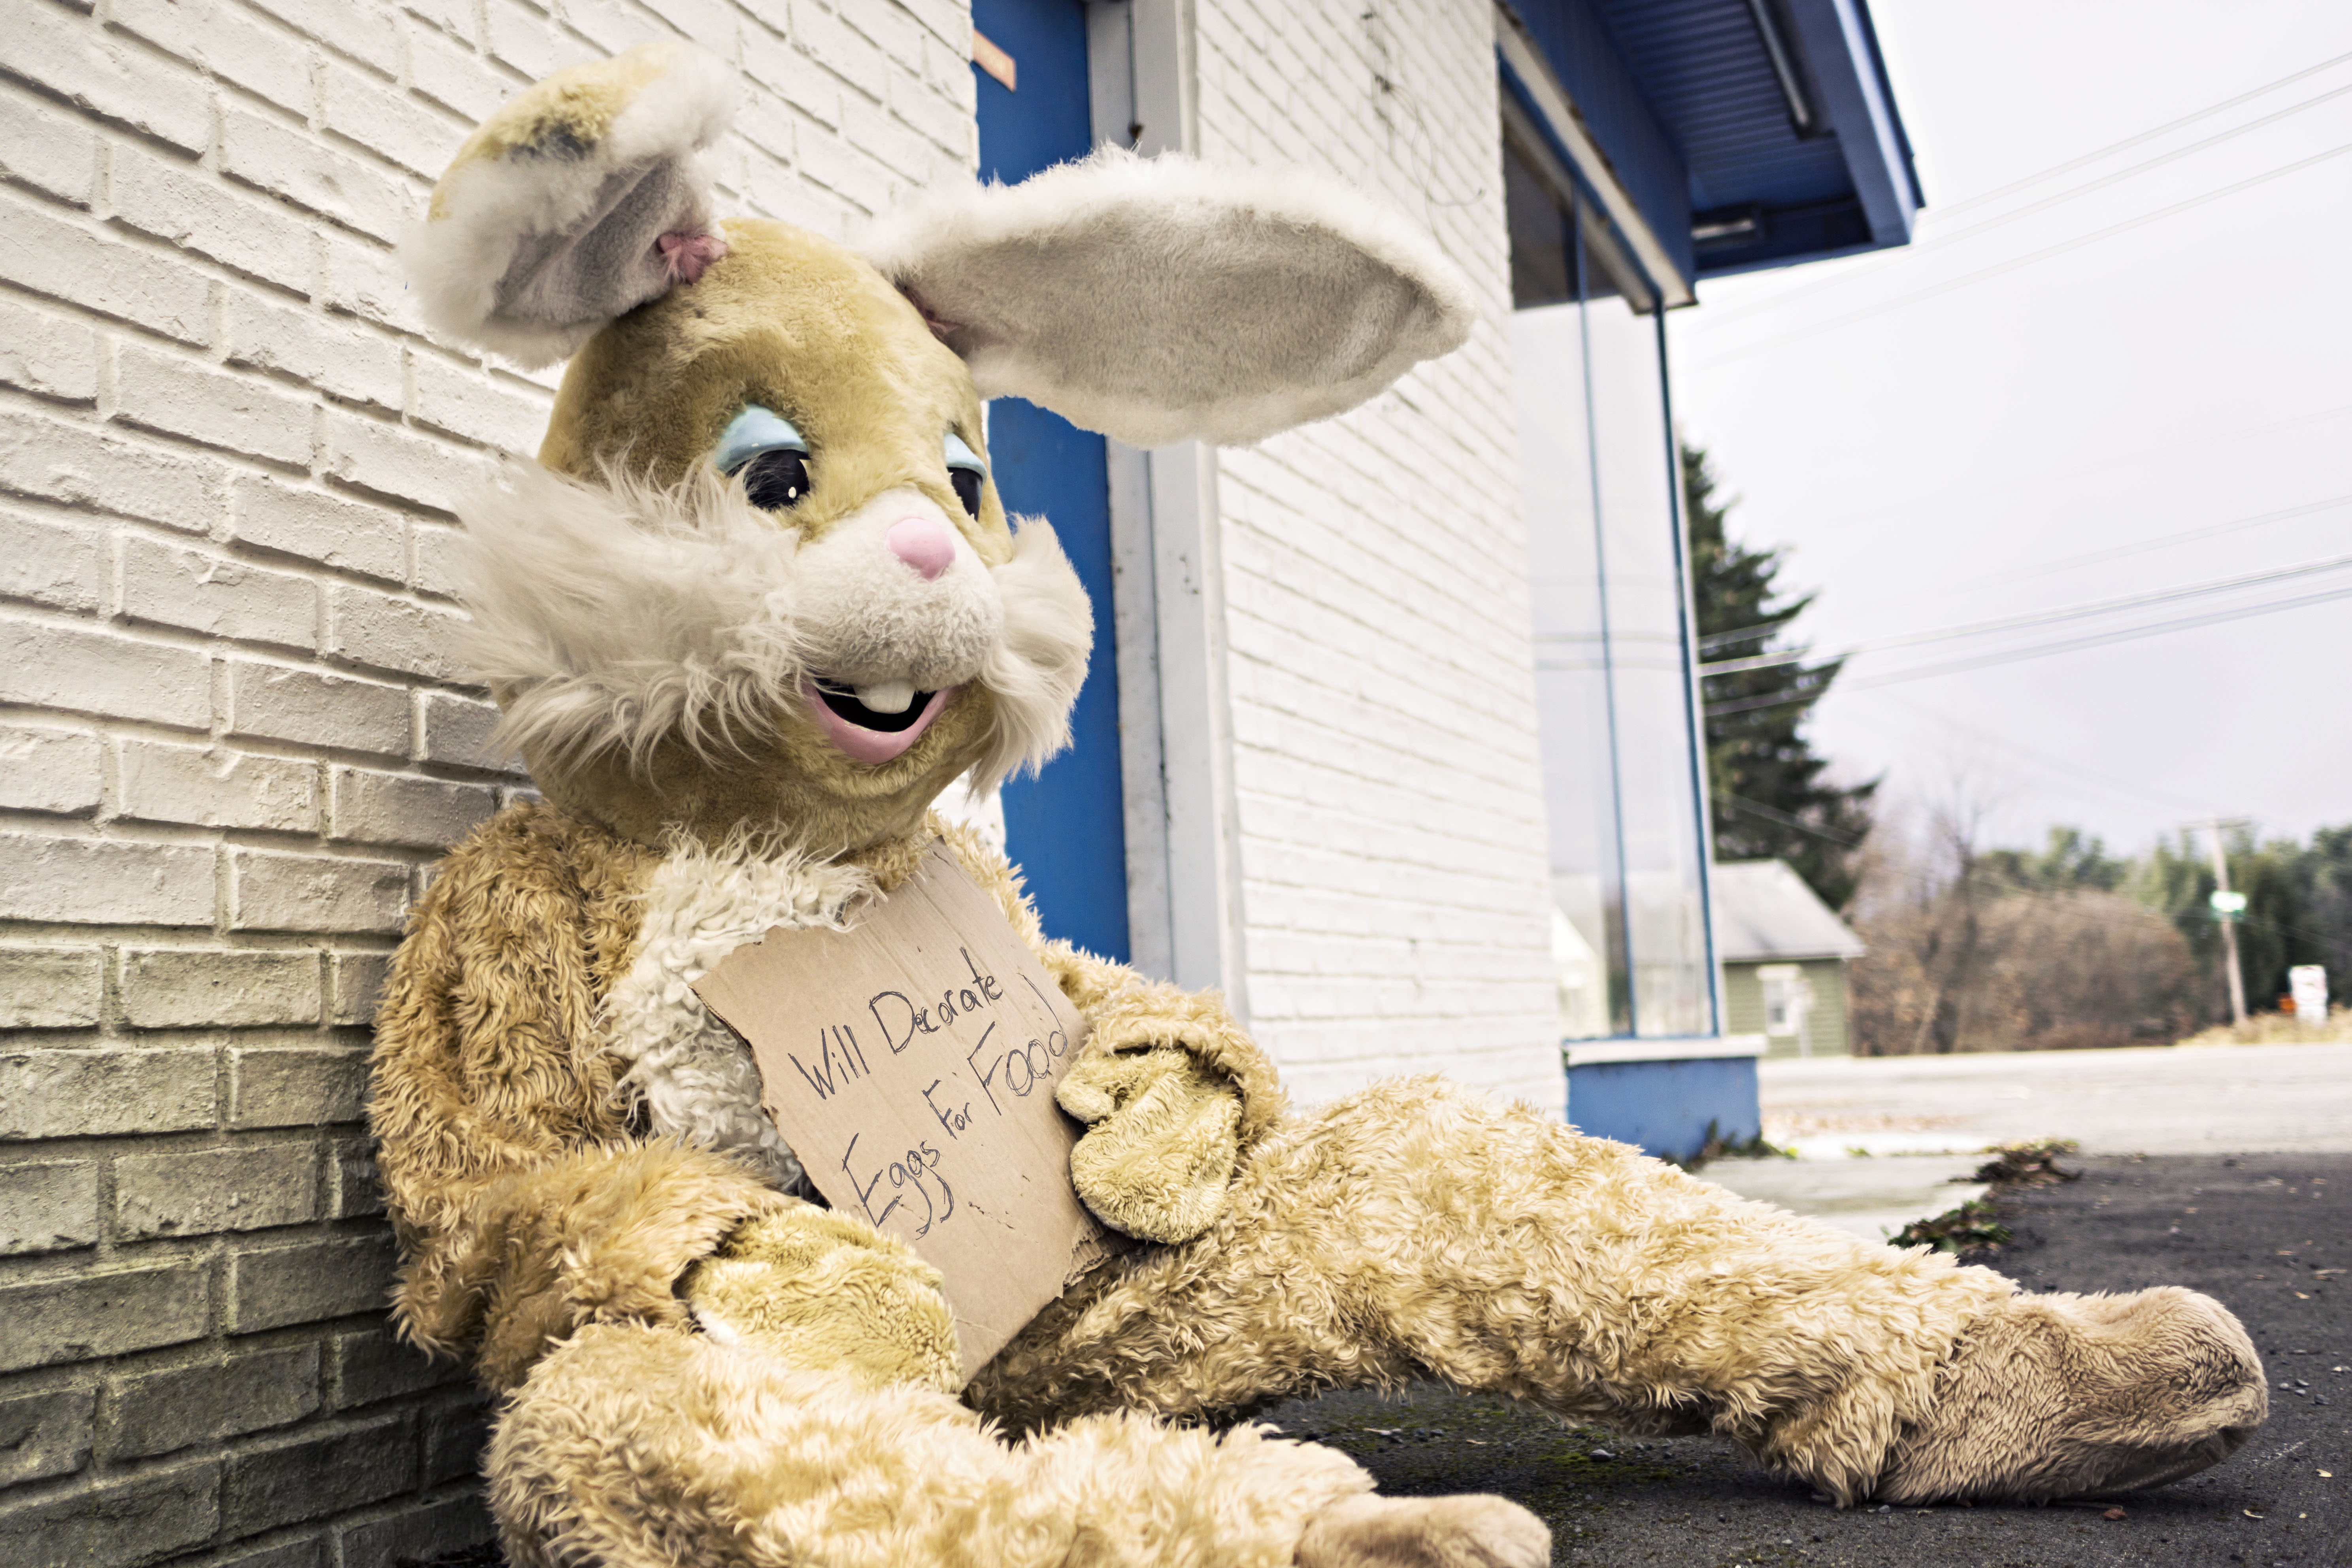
x,y
231,739
1388,781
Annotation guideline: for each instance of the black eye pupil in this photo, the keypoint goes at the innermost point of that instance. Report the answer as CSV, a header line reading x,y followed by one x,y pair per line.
x,y
966,488
776,480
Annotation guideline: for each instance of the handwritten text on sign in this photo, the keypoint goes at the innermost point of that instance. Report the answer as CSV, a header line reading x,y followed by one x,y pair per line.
x,y
911,1062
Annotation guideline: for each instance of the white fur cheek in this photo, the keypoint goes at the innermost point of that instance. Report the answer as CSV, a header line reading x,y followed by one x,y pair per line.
x,y
1035,671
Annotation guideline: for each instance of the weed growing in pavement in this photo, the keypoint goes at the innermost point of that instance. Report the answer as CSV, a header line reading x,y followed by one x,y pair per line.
x,y
2031,1164
1971,1227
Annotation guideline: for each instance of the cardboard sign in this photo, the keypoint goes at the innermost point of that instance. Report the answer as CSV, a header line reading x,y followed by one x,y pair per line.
x,y
911,1062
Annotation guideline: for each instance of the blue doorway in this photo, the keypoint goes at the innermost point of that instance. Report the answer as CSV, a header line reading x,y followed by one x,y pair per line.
x,y
1066,829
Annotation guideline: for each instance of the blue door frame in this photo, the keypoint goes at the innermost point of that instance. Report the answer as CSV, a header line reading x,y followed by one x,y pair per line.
x,y
1066,828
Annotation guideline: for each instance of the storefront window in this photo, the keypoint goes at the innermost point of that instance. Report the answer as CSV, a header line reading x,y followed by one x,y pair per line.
x,y
1630,939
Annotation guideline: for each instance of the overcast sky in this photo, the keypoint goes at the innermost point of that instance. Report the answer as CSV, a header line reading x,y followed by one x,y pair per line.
x,y
2034,439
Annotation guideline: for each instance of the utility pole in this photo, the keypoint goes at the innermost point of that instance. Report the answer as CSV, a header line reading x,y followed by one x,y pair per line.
x,y
2227,905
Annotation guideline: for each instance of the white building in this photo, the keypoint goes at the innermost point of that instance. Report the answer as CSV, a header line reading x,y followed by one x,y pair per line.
x,y
1384,706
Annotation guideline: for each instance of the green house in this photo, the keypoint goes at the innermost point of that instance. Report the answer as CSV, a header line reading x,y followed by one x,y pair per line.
x,y
1784,954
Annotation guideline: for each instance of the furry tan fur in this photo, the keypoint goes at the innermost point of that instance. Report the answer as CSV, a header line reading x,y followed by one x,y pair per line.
x,y
827,1291
569,1140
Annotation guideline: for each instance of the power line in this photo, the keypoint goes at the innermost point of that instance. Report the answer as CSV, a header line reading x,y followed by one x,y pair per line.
x,y
1983,273
2126,144
1714,640
2163,541
2010,656
1938,240
2034,618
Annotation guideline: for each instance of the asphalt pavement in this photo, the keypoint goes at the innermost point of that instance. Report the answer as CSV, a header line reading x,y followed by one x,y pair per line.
x,y
2269,1235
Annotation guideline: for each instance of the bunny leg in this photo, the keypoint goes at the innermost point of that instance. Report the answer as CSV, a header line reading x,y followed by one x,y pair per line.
x,y
1420,1231
630,1446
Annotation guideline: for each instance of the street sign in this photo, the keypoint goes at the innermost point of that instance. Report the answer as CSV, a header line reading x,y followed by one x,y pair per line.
x,y
2228,905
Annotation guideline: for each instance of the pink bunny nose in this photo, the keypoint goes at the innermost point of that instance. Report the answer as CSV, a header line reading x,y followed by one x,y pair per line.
x,y
922,544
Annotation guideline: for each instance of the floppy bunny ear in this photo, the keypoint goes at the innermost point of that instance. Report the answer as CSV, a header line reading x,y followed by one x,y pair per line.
x,y
1162,300
578,200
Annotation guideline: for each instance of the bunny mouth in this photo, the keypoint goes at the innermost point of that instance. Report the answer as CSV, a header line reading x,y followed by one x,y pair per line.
x,y
869,734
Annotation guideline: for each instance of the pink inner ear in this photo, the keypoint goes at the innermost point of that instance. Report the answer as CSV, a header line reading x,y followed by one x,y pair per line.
x,y
686,252
940,326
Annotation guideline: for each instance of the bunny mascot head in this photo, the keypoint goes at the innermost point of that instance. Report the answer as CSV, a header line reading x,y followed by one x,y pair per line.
x,y
762,577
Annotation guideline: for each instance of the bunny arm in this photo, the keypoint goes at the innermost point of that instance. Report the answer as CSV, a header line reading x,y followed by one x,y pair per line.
x,y
526,1206
1174,1091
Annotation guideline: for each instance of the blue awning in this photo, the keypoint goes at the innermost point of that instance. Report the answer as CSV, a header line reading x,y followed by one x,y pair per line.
x,y
1748,133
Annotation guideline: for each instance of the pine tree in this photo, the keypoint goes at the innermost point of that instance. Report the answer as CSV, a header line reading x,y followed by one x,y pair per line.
x,y
1770,798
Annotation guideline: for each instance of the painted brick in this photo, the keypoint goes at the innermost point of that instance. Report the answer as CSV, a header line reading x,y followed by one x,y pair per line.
x,y
385,808
49,1207
358,1184
202,1192
185,207
358,981
453,1437
104,881
389,123
365,280
50,987
171,585
226,41
439,556
45,1435
121,1524
94,73
82,672
295,1088
46,354
384,633
91,1093
364,32
329,354
349,535
291,164
47,149
308,706
51,563
215,787
461,400
312,892
371,1366
792,75
183,988
106,472
312,1553
82,1317
307,1284
419,1535
304,1477
48,255
456,730
164,1412
394,462
457,77
55,771
181,397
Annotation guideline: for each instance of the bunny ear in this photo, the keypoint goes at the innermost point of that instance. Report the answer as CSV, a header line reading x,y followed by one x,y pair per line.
x,y
578,200
1160,299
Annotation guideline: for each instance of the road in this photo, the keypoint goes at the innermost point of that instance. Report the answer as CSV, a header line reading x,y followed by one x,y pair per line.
x,y
2228,1099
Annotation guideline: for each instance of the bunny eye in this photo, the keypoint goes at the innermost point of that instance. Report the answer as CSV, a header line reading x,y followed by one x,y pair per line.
x,y
965,473
768,454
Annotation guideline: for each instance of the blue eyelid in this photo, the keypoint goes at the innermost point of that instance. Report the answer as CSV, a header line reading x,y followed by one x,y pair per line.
x,y
962,456
752,432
